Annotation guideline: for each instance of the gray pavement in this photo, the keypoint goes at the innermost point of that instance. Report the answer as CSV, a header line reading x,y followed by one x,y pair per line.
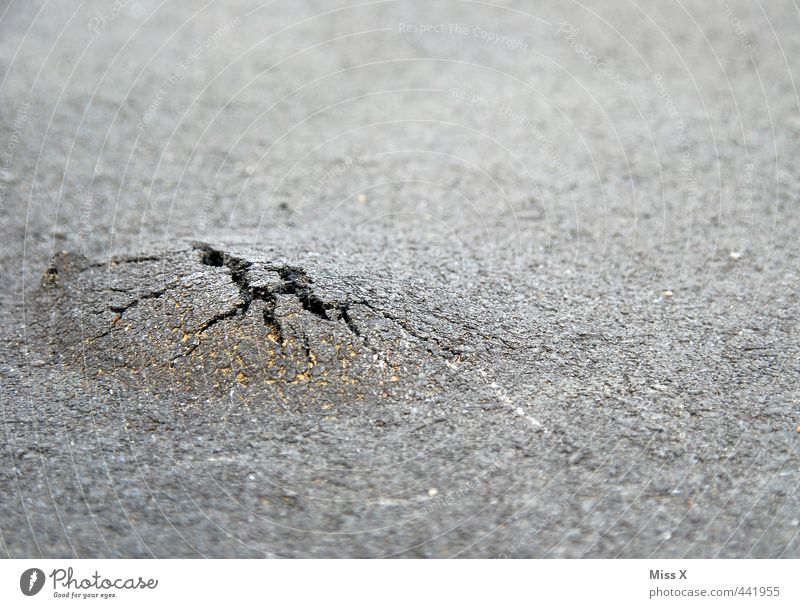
x,y
419,279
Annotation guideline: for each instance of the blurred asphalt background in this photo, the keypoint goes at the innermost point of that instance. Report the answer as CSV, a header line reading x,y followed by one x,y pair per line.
x,y
617,180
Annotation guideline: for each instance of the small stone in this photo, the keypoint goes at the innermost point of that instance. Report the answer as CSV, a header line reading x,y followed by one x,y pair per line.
x,y
361,198
432,491
667,293
735,255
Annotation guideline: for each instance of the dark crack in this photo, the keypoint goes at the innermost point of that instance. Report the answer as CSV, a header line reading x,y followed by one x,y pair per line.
x,y
297,283
271,321
350,323
294,281
116,261
424,339
122,309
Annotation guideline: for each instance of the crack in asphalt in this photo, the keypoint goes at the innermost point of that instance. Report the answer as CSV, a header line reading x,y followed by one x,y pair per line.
x,y
294,281
122,309
290,280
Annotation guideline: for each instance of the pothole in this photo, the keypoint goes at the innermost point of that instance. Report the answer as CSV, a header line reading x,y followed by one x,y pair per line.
x,y
211,319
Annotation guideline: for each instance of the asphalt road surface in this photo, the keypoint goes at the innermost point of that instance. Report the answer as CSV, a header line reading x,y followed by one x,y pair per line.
x,y
399,278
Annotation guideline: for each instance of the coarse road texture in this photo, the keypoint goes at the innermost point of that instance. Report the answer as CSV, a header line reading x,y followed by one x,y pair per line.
x,y
399,278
